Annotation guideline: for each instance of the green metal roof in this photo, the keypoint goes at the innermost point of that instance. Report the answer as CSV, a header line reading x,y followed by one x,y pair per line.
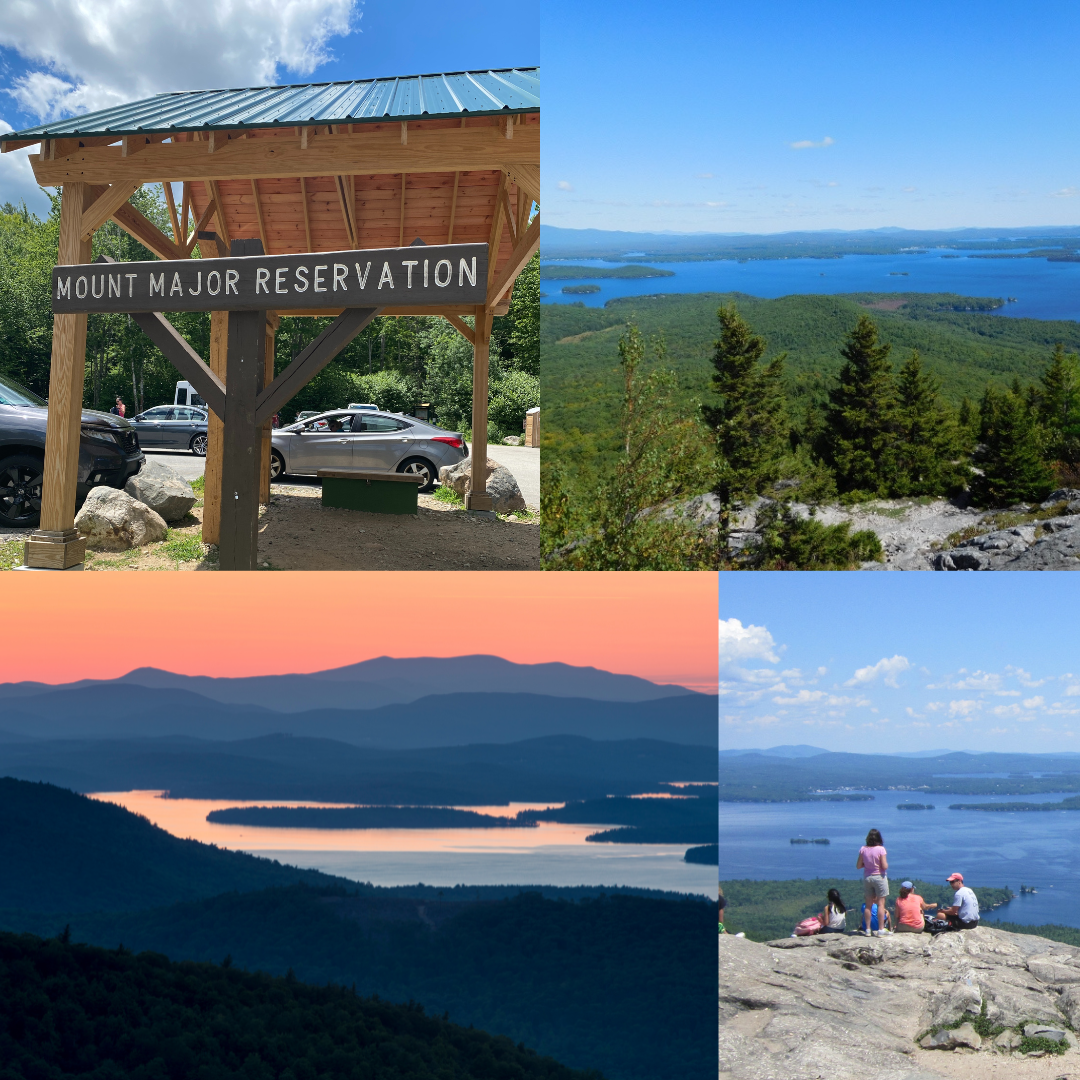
x,y
412,97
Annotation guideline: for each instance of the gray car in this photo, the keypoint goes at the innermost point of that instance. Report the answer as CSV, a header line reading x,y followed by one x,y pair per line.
x,y
375,441
172,427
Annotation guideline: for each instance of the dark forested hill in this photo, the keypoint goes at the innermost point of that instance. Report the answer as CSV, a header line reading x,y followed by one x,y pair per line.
x,y
555,768
74,1010
620,983
959,340
64,852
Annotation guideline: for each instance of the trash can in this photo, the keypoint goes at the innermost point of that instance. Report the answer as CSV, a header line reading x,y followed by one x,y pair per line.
x,y
375,492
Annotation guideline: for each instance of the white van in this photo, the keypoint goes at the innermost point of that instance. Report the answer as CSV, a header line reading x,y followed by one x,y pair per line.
x,y
185,395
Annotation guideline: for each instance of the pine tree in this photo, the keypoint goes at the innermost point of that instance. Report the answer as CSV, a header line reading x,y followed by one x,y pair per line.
x,y
861,417
1059,405
750,422
928,440
1012,450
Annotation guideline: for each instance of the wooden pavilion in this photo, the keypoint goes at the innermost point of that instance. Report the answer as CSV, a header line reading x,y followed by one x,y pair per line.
x,y
383,163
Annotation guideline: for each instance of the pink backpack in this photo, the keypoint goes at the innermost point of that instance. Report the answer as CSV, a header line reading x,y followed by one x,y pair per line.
x,y
808,927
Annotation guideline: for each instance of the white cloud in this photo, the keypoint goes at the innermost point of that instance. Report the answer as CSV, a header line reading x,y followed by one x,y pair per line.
x,y
964,708
1034,702
741,643
888,668
1073,691
92,55
704,176
565,185
1065,193
809,144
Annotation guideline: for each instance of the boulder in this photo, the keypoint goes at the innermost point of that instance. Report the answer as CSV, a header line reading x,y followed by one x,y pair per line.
x,y
505,494
1070,1004
951,1038
512,440
958,1001
112,520
1007,1040
163,489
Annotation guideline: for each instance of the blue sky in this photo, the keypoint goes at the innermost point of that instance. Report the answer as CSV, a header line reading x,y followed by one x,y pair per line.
x,y
766,117
65,57
884,662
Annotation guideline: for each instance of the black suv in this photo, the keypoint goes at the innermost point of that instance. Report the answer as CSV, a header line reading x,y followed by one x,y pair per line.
x,y
108,454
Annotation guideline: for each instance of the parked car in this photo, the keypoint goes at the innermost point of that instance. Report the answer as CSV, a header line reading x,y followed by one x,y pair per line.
x,y
108,454
172,427
376,441
307,414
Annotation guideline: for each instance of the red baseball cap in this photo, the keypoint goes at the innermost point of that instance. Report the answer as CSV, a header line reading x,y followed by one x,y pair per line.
x,y
956,877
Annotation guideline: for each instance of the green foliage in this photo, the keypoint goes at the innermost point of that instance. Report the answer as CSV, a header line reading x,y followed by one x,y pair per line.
x,y
1059,405
1012,454
625,521
445,493
511,398
11,554
183,548
515,337
75,1009
791,542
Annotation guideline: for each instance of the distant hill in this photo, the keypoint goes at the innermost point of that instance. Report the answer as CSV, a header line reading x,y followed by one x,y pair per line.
x,y
801,750
384,680
115,1014
555,768
439,720
64,852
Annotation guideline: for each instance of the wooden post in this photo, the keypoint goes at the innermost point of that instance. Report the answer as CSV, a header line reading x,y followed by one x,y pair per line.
x,y
242,442
219,343
272,322
55,545
477,497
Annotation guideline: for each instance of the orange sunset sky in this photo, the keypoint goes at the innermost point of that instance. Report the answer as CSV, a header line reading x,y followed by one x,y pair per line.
x,y
59,627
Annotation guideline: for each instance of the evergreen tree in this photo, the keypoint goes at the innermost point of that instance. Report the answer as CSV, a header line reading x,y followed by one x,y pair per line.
x,y
928,440
1059,405
861,418
750,422
1011,454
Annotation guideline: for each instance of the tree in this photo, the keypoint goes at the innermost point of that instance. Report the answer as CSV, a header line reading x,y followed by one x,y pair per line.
x,y
1059,405
928,442
750,421
1012,450
861,417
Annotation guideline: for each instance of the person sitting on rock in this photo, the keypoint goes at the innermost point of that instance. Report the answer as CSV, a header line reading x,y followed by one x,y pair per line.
x,y
910,907
874,864
964,914
875,910
834,916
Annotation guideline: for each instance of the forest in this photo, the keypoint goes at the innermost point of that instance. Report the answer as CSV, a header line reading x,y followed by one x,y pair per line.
x,y
362,817
74,1010
759,778
765,910
607,979
395,363
677,820
810,401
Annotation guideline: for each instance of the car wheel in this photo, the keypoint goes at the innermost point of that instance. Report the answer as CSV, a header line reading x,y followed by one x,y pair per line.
x,y
277,465
418,466
20,491
198,444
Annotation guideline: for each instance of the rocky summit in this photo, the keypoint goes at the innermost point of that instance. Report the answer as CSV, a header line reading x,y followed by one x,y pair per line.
x,y
981,1004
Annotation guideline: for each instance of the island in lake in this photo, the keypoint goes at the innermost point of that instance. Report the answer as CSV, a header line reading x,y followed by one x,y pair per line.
x,y
363,817
580,289
554,272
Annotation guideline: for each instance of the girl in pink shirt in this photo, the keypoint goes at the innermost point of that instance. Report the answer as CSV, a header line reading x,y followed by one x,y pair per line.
x,y
874,863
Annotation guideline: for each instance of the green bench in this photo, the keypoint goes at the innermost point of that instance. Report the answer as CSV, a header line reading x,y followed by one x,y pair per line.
x,y
375,492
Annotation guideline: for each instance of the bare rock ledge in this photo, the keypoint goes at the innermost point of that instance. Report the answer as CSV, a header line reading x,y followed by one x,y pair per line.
x,y
843,1007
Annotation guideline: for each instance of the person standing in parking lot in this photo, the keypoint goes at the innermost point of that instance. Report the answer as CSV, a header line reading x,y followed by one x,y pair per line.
x,y
118,408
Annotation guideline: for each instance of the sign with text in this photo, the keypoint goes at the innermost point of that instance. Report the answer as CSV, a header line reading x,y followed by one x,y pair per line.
x,y
420,275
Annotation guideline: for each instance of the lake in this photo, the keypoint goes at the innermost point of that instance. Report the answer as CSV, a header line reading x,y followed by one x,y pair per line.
x,y
1043,290
991,849
553,853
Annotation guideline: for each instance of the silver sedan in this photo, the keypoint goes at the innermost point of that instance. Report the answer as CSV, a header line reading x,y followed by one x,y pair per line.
x,y
374,441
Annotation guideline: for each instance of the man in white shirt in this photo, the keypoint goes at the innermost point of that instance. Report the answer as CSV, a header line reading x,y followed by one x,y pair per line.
x,y
964,914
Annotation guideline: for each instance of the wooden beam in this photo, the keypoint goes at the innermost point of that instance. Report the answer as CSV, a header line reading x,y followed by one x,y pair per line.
x,y
303,138
185,202
343,199
509,127
404,132
193,239
462,327
477,498
401,223
18,144
525,176
147,233
214,193
307,212
518,258
363,152
453,209
495,236
132,144
170,202
213,141
508,213
184,358
259,216
312,360
272,322
105,205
